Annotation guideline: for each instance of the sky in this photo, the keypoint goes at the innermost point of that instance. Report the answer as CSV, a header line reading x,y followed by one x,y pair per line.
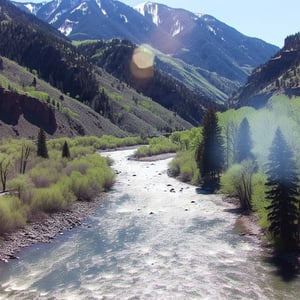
x,y
269,20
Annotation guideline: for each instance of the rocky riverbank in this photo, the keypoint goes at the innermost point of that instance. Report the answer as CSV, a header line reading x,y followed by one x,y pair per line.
x,y
44,228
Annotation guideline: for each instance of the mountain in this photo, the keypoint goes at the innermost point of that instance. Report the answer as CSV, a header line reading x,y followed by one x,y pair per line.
x,y
279,75
202,40
115,57
50,75
216,49
25,108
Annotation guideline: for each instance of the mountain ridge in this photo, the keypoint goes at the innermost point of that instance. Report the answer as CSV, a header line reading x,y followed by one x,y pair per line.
x,y
198,39
279,75
113,107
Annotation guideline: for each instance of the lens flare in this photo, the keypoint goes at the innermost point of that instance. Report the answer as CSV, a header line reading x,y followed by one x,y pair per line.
x,y
142,61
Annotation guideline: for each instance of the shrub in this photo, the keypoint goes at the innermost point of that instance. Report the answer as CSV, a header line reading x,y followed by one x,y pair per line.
x,y
13,213
157,146
81,186
184,166
49,199
22,186
45,174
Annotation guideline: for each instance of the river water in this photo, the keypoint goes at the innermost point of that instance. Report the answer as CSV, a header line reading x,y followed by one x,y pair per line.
x,y
153,238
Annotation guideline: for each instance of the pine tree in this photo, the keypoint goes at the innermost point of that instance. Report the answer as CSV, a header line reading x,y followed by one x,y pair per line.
x,y
65,150
210,151
282,184
244,142
41,144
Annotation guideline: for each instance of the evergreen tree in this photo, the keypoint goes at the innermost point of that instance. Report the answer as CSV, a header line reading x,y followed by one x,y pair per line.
x,y
66,150
41,144
244,142
210,151
282,186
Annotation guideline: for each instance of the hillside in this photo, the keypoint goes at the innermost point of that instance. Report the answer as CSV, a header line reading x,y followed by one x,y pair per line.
x,y
25,109
117,58
116,108
280,75
216,53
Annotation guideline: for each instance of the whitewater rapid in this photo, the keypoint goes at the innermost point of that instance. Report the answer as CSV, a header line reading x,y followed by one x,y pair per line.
x,y
153,238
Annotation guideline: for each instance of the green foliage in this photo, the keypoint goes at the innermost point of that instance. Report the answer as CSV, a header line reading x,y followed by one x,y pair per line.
x,y
259,203
42,150
13,213
42,96
282,191
210,151
244,142
65,150
22,185
156,146
185,167
49,199
238,182
69,113
55,183
188,139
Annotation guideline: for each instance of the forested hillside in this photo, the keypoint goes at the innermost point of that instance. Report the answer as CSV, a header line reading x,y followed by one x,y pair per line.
x,y
116,58
281,74
49,58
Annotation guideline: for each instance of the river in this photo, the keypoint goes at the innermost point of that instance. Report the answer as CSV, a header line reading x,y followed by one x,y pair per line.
x,y
153,238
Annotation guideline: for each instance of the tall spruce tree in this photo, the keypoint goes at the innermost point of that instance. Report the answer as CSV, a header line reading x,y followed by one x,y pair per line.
x,y
244,142
210,151
65,150
41,144
282,184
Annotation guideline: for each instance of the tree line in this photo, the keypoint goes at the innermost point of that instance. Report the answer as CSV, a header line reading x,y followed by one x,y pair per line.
x,y
282,184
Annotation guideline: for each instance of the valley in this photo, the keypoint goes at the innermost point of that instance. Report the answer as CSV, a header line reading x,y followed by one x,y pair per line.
x,y
90,92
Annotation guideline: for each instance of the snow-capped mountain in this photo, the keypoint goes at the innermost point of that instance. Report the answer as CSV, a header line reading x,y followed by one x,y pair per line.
x,y
204,41
198,39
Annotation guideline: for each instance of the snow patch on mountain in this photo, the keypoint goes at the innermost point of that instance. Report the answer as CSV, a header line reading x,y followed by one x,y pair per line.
x,y
99,3
177,28
67,27
83,7
211,29
124,18
55,18
54,7
149,8
141,8
154,13
31,8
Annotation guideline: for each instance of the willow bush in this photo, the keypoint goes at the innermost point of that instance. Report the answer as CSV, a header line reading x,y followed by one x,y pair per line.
x,y
13,213
184,167
156,146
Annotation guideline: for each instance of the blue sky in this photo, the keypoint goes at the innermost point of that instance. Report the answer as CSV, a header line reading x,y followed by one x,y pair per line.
x,y
270,20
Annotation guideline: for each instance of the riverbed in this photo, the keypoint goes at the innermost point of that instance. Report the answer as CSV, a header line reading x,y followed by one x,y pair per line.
x,y
153,238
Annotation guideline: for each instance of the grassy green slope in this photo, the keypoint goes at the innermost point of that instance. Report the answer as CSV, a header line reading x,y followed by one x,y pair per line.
x,y
210,84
